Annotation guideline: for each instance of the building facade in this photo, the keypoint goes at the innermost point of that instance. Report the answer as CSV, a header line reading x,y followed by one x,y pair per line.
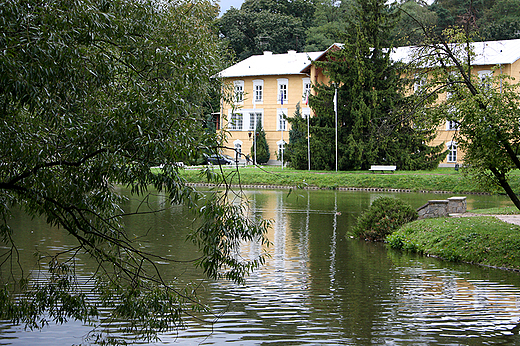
x,y
265,88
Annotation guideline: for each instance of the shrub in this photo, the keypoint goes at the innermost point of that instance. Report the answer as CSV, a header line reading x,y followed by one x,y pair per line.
x,y
384,216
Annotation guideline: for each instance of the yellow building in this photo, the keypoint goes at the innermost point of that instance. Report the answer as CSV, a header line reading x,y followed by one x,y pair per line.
x,y
266,87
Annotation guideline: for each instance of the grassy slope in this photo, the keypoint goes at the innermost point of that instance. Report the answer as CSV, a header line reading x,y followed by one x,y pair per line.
x,y
482,240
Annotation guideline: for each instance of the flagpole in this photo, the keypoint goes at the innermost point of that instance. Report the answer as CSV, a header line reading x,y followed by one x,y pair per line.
x,y
254,131
282,123
308,142
308,133
336,122
282,140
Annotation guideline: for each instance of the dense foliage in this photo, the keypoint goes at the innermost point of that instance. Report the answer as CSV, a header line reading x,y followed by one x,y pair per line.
x,y
373,127
279,26
385,215
95,93
266,25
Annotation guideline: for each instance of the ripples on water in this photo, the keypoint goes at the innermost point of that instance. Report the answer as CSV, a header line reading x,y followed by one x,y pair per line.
x,y
428,306
319,287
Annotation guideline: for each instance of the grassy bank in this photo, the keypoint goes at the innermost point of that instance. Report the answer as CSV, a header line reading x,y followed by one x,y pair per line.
x,y
441,179
483,240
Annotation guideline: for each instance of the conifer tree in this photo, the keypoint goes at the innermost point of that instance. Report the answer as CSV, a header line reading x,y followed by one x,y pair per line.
x,y
262,148
296,150
371,129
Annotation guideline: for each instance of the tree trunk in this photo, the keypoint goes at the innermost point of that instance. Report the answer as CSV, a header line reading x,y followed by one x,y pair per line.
x,y
505,185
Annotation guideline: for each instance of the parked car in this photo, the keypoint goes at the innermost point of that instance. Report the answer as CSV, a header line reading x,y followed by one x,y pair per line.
x,y
218,159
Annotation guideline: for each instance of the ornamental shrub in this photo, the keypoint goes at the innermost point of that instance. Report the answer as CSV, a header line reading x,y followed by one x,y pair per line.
x,y
384,216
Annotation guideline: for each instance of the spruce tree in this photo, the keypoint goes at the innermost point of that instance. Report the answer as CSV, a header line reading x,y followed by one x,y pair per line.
x,y
262,148
371,127
296,153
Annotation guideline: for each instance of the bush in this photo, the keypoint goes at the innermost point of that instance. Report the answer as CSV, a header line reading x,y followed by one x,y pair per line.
x,y
384,216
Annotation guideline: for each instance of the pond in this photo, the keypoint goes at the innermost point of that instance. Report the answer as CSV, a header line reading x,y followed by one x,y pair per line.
x,y
318,286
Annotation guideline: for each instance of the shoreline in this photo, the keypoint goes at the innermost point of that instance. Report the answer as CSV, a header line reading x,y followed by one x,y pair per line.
x,y
340,188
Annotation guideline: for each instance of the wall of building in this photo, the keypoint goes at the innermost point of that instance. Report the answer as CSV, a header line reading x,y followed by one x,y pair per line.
x,y
270,107
446,135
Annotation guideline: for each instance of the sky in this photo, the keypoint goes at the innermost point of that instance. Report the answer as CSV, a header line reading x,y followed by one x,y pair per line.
x,y
226,5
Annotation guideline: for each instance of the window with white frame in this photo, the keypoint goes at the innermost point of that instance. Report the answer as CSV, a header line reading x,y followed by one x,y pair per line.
x,y
281,122
239,91
258,91
485,78
451,125
281,148
282,90
420,82
306,90
453,77
236,121
238,147
255,118
306,112
452,151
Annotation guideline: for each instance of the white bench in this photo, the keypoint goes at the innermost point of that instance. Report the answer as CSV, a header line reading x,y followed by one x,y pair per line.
x,y
382,168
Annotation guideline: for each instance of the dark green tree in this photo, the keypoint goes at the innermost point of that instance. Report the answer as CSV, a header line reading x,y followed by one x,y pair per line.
x,y
413,17
93,95
296,151
330,22
372,129
258,26
501,21
262,148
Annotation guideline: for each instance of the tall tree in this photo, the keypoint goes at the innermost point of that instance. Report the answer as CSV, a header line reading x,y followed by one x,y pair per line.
x,y
483,106
370,94
501,21
260,149
93,94
296,153
413,17
329,23
258,26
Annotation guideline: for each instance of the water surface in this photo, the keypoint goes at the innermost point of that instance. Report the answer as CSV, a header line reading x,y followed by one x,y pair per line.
x,y
318,286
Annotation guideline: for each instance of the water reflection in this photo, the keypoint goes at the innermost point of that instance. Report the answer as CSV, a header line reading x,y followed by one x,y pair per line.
x,y
320,287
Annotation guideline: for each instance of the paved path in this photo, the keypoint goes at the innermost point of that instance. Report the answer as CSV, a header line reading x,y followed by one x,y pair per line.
x,y
514,219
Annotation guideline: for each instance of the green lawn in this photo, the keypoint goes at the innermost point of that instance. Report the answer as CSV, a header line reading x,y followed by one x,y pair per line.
x,y
441,179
